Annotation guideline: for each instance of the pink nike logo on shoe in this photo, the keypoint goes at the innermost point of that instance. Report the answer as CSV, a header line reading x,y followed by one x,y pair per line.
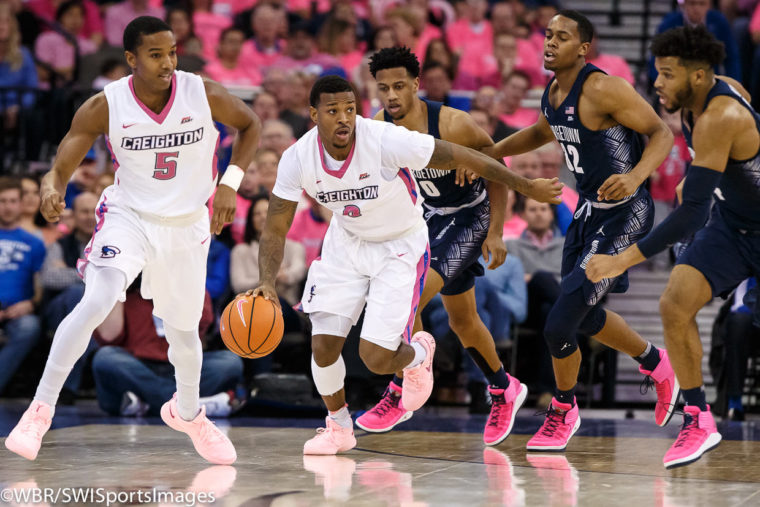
x,y
126,126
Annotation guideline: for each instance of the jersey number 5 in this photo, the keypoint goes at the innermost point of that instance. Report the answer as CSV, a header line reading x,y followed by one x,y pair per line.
x,y
572,157
166,169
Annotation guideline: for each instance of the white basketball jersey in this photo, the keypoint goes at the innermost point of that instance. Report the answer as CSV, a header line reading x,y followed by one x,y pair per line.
x,y
373,194
165,163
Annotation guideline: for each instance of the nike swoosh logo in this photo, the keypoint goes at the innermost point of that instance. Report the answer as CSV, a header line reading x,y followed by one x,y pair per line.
x,y
401,254
240,311
125,126
204,241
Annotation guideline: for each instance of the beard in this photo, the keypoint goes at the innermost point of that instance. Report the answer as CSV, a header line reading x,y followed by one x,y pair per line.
x,y
682,96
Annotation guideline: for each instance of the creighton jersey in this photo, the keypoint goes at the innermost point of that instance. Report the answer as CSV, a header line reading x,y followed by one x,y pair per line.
x,y
439,187
592,155
738,193
372,193
165,163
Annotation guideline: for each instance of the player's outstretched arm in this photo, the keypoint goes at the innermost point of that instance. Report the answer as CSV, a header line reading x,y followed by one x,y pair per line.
x,y
522,141
449,156
231,111
90,121
614,96
272,245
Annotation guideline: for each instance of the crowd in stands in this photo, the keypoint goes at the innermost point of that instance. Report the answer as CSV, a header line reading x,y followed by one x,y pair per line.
x,y
477,55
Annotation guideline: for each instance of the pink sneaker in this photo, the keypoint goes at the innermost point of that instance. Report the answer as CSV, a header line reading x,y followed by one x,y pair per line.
x,y
388,412
331,439
26,438
208,440
504,406
418,381
666,385
562,421
698,435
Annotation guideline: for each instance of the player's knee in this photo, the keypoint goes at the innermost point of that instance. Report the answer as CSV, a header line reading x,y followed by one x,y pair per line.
x,y
671,310
377,359
325,350
594,321
463,323
560,340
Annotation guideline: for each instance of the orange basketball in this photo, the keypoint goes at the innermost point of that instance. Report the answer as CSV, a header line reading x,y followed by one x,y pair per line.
x,y
251,327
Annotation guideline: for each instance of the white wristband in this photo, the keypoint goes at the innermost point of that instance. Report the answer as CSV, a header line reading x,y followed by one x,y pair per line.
x,y
232,177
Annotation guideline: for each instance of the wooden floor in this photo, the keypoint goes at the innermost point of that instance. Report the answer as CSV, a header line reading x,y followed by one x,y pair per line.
x,y
407,468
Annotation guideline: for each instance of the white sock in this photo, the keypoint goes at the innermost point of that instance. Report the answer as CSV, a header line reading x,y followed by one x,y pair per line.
x,y
186,354
342,417
420,353
646,351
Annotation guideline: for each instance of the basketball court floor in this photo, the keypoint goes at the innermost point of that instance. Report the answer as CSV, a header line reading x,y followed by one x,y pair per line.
x,y
436,458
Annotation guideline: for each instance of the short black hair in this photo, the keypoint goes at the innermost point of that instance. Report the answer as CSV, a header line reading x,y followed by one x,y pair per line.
x,y
143,25
689,44
390,58
434,64
328,84
66,6
585,28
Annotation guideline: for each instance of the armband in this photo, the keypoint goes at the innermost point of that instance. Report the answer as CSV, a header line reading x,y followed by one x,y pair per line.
x,y
232,177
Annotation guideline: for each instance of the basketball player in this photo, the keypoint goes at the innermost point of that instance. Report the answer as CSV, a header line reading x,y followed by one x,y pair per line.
x,y
375,250
723,131
461,224
595,118
160,128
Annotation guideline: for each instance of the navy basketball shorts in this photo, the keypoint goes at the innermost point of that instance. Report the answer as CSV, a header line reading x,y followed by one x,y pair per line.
x,y
455,243
603,231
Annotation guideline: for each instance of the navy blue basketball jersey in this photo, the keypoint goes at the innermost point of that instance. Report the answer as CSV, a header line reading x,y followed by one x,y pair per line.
x,y
438,187
592,155
738,193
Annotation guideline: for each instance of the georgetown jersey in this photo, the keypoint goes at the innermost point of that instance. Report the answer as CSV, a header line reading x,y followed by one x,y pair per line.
x,y
738,192
438,187
372,193
592,155
164,163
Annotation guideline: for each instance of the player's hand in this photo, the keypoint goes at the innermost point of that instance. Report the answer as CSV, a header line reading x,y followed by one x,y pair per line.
x,y
546,190
224,204
494,250
52,204
618,186
463,175
604,266
267,291
19,309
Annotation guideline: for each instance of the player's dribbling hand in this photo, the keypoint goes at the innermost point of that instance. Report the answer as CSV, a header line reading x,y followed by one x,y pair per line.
x,y
224,204
52,205
603,266
495,249
546,190
267,291
462,176
617,187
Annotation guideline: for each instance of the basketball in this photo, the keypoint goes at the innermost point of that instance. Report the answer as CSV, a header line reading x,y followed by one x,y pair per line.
x,y
251,327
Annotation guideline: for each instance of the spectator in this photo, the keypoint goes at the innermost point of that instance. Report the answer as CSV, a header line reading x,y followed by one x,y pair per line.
x,y
60,52
133,375
16,70
276,135
698,12
514,225
301,52
266,168
436,82
265,106
513,91
384,37
472,37
227,68
244,262
111,70
21,257
62,286
338,39
83,179
92,26
249,188
510,53
269,24
218,273
208,26
613,65
103,181
309,228
181,22
30,206
407,27
438,50
281,84
552,159
487,99
119,15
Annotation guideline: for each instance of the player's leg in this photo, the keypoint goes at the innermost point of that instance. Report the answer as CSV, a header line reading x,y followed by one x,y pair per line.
x,y
433,285
507,393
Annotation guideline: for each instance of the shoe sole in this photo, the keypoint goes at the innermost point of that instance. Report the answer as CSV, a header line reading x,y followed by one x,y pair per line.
x,y
167,418
519,400
674,399
554,447
403,418
24,453
711,443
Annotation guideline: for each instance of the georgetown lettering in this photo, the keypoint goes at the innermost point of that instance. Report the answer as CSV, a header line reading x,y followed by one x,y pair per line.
x,y
353,194
163,141
429,174
569,134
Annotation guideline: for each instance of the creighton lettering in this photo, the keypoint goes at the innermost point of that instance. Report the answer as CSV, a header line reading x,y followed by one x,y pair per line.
x,y
569,134
162,141
353,194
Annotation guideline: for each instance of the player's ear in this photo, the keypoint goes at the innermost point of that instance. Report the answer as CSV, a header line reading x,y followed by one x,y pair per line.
x,y
583,50
416,84
131,59
313,114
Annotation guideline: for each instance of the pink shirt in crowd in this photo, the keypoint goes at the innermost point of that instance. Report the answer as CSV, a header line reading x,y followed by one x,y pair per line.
x,y
527,60
671,171
45,9
429,33
314,64
570,197
53,49
471,42
251,54
241,75
514,227
208,28
310,232
118,17
613,65
521,118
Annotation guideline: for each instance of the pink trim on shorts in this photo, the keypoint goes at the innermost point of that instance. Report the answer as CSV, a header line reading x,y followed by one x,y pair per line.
x,y
116,164
419,285
406,177
340,172
100,213
158,118
215,162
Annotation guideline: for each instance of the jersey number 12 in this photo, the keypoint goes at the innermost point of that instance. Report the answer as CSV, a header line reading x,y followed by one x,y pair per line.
x,y
572,157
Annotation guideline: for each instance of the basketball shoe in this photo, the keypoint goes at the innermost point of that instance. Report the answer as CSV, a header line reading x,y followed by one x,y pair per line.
x,y
331,439
388,412
562,421
26,438
504,406
666,386
698,435
208,440
418,381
